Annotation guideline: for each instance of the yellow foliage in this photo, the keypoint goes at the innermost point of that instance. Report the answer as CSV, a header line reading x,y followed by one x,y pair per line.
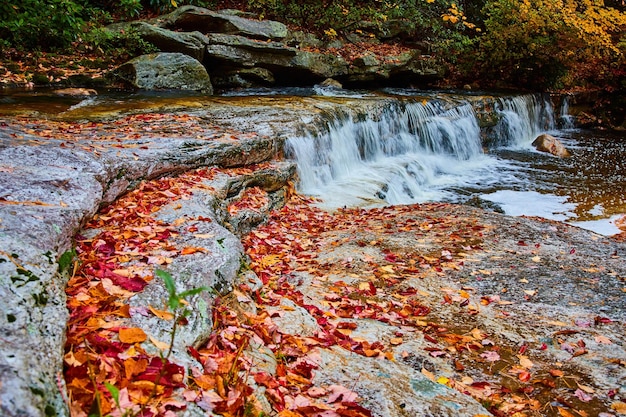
x,y
331,33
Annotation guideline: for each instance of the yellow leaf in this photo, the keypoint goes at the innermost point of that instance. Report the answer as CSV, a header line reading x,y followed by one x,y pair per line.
x,y
619,406
388,268
269,260
160,345
162,314
442,380
525,362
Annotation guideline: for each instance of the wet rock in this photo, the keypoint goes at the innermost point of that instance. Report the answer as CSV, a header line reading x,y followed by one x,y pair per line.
x,y
550,144
192,18
165,71
330,83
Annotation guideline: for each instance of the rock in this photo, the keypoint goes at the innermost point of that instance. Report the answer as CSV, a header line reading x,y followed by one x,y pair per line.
x,y
389,389
243,78
192,18
289,65
165,71
331,83
75,92
550,144
47,192
188,43
407,67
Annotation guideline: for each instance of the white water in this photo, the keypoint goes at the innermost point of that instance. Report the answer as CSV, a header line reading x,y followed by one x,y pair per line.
x,y
420,152
413,152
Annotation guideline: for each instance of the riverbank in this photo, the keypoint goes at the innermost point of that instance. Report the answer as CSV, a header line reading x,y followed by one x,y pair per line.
x,y
186,192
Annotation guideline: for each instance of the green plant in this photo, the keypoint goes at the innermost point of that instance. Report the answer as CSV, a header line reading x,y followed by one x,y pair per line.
x,y
118,45
41,24
177,304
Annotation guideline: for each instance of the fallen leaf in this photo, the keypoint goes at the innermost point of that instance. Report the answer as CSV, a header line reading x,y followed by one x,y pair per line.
x,y
619,407
525,362
160,345
564,413
490,356
190,250
132,335
162,314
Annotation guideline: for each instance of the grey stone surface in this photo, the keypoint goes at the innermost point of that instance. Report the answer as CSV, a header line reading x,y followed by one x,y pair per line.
x,y
165,71
188,43
48,188
192,18
389,389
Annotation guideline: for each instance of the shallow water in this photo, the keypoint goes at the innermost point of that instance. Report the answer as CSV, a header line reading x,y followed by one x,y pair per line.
x,y
379,161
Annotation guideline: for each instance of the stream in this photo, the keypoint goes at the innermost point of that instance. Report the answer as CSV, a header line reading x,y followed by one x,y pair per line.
x,y
424,146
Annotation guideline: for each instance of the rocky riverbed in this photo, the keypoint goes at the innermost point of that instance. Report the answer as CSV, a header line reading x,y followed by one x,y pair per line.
x,y
431,309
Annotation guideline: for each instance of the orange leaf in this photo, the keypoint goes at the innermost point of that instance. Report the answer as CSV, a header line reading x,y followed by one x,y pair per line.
x,y
564,413
162,314
132,335
189,250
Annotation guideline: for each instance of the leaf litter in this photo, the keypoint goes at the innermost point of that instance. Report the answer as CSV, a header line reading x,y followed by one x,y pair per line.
x,y
348,258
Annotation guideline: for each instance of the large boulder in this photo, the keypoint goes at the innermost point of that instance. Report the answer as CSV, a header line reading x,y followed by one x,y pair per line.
x,y
550,144
192,18
165,71
188,43
289,65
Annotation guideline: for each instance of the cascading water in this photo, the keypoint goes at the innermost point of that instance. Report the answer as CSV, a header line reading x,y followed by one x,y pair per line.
x,y
412,152
566,120
407,154
522,119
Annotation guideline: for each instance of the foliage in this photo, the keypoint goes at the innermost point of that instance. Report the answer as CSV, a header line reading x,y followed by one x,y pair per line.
x,y
122,44
548,43
40,24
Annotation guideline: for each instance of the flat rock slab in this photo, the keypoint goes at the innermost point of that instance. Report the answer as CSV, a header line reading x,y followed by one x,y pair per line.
x,y
51,181
439,296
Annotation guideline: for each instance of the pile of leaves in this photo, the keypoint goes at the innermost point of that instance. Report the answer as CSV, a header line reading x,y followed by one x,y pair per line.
x,y
19,68
109,369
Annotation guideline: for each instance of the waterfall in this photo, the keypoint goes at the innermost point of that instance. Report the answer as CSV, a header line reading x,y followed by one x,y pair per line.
x,y
411,152
566,120
522,119
400,156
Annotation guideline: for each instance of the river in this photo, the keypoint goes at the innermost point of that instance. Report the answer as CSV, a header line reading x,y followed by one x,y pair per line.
x,y
426,146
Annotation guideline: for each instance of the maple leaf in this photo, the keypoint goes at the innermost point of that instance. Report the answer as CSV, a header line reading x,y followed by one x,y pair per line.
x,y
490,356
132,335
341,393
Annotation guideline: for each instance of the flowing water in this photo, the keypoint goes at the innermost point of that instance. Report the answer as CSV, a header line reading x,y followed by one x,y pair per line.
x,y
425,150
418,147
